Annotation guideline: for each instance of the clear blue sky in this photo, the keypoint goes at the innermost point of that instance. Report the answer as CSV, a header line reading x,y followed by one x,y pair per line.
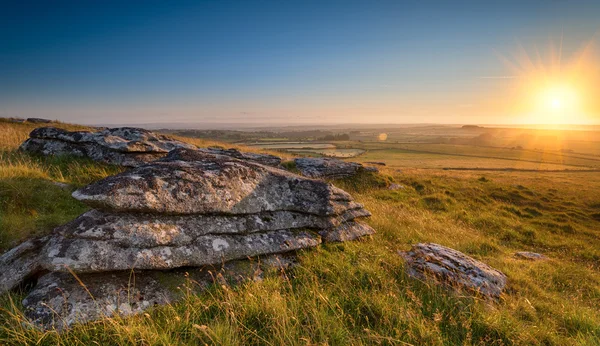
x,y
271,61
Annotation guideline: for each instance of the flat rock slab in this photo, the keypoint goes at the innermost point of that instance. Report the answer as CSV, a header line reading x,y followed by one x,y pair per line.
x,y
143,230
212,184
263,159
82,255
328,167
453,269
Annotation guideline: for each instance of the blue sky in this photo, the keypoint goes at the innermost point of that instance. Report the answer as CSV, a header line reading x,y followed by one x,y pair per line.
x,y
273,61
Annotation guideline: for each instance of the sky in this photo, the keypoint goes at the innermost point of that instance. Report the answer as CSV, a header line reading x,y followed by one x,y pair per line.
x,y
300,62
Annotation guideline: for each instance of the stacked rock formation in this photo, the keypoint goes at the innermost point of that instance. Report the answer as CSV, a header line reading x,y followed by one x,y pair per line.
x,y
453,269
189,209
124,146
329,168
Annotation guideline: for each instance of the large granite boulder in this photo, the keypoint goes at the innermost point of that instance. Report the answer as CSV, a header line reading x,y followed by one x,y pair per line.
x,y
190,209
453,269
330,168
124,146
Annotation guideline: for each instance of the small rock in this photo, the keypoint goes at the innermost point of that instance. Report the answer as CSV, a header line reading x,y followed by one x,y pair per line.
x,y
38,120
376,163
63,186
396,187
453,269
14,120
533,256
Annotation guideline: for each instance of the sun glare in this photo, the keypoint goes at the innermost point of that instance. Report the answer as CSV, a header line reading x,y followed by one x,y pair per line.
x,y
556,104
555,90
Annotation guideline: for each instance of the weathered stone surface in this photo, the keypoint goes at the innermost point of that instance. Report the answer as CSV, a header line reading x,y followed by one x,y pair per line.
x,y
20,263
263,159
151,230
88,256
212,184
59,299
123,146
453,269
85,255
533,256
329,167
347,231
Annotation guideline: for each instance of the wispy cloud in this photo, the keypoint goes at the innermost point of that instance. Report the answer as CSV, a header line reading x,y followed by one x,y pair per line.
x,y
498,77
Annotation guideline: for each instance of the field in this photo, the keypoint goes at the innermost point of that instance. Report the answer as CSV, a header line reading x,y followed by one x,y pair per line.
x,y
488,200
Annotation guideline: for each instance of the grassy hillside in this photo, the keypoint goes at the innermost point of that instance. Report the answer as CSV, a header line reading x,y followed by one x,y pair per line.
x,y
358,292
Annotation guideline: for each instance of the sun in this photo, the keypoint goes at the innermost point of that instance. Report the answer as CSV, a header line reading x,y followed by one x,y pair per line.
x,y
557,103
554,89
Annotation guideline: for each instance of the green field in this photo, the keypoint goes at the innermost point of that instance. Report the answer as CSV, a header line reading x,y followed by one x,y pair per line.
x,y
487,201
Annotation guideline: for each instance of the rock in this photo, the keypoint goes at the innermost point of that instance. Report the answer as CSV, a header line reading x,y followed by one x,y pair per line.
x,y
60,300
371,169
376,163
38,120
13,120
91,255
123,146
263,159
396,187
189,210
453,269
61,185
20,263
152,230
533,256
328,167
346,231
212,184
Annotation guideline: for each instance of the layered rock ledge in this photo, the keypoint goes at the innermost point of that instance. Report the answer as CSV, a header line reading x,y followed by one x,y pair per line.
x,y
190,209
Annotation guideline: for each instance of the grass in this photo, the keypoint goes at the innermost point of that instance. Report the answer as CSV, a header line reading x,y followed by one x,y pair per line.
x,y
357,293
